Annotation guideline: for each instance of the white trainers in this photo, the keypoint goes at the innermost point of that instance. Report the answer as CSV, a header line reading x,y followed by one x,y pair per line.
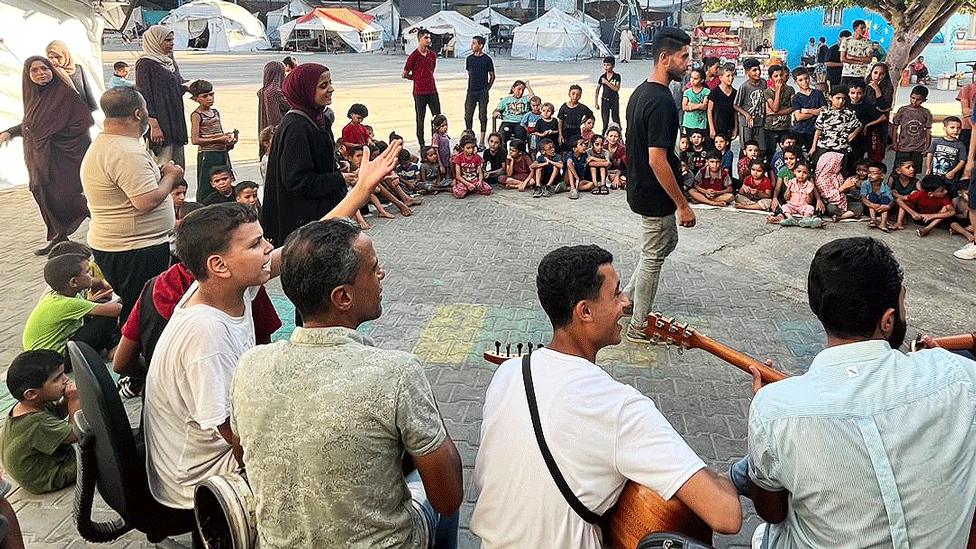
x,y
966,252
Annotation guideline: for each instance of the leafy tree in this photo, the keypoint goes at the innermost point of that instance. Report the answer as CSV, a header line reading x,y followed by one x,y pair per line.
x,y
914,22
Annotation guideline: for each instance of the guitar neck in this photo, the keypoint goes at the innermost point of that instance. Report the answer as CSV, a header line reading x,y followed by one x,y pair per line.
x,y
740,360
961,342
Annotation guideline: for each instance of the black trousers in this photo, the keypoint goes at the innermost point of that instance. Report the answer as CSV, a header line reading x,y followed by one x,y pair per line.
x,y
479,98
510,130
420,105
100,332
129,271
609,109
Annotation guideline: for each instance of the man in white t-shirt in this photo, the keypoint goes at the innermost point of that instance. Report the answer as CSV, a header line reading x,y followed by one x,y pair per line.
x,y
601,433
856,53
187,409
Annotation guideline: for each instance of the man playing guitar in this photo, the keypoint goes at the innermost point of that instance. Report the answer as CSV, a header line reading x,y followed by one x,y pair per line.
x,y
871,447
599,433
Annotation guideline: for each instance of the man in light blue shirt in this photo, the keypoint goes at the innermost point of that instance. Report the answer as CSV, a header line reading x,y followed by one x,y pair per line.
x,y
871,447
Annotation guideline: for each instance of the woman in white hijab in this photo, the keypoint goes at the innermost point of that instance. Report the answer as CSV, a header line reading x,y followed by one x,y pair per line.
x,y
158,79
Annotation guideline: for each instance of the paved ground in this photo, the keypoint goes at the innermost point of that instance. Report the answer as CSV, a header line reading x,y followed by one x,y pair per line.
x,y
460,276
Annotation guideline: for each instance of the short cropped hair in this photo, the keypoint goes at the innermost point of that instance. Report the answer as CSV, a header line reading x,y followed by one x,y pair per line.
x,y
120,102
221,169
468,140
852,282
576,87
774,69
858,23
750,63
609,60
318,258
199,86
669,40
480,40
949,119
709,61
30,369
859,84
70,247
119,65
879,165
800,71
933,182
545,141
181,184
208,231
713,155
757,162
60,270
403,155
568,275
751,142
422,33
243,186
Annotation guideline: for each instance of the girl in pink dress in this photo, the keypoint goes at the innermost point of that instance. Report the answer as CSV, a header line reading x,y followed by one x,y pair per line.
x,y
831,187
799,193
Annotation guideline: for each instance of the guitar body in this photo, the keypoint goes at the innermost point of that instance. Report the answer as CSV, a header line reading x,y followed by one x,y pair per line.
x,y
641,511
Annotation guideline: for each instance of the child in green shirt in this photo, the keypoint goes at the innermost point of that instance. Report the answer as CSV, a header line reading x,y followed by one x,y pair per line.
x,y
61,314
36,439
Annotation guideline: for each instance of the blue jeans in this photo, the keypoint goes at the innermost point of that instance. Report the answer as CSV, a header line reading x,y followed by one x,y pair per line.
x,y
442,531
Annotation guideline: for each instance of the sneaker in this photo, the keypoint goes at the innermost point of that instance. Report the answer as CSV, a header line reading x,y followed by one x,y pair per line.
x,y
130,388
537,193
546,192
573,194
966,252
637,335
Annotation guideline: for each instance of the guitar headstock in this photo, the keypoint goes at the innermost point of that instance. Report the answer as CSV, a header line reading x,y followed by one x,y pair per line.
x,y
662,329
500,353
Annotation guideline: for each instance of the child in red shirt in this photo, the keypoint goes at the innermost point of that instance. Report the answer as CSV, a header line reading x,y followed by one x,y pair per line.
x,y
355,134
929,207
469,174
756,192
713,185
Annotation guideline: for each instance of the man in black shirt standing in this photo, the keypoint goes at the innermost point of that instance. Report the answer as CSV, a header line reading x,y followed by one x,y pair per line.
x,y
834,67
481,75
653,170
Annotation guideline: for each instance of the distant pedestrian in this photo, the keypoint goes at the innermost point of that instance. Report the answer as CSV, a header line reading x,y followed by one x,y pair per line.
x,y
626,45
271,101
835,68
481,76
57,52
420,68
120,75
159,81
809,52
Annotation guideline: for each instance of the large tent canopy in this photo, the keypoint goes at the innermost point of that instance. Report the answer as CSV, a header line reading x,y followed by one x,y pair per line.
x,y
226,26
556,36
387,17
489,18
26,27
447,22
284,14
355,28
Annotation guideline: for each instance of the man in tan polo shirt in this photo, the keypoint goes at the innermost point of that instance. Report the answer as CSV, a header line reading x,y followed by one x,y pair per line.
x,y
132,213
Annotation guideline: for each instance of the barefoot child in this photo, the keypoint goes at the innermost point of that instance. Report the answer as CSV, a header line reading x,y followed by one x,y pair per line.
x,y
876,196
854,184
902,183
929,207
518,169
354,160
713,185
576,172
790,158
598,159
469,174
547,168
208,135
618,159
831,187
355,134
430,171
442,143
756,192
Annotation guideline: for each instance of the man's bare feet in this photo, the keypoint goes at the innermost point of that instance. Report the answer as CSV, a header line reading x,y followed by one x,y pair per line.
x,y
385,214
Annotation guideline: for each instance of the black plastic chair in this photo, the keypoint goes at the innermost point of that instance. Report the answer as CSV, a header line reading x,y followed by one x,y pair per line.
x,y
110,459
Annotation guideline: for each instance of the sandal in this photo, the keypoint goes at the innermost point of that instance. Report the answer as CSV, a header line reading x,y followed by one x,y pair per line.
x,y
872,224
885,229
596,190
604,190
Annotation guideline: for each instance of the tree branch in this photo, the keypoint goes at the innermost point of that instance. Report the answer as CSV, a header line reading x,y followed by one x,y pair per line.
x,y
934,27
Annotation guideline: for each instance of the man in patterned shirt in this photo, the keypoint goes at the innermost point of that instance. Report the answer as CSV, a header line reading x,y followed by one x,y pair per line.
x,y
856,53
329,422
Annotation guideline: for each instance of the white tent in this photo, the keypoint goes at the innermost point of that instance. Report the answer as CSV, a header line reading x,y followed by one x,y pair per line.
x,y
226,26
556,36
355,28
387,17
489,18
446,22
26,27
284,14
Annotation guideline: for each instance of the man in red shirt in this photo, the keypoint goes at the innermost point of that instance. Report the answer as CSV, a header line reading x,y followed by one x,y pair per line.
x,y
420,68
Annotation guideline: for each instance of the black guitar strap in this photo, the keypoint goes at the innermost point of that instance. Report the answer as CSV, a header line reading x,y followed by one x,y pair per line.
x,y
557,476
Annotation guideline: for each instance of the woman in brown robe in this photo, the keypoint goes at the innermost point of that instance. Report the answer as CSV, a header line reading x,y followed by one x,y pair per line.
x,y
271,101
55,133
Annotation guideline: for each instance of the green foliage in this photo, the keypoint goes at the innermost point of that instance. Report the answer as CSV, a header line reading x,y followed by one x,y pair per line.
x,y
757,8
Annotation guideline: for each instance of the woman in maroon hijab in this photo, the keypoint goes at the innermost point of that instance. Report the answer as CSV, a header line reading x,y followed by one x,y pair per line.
x,y
55,133
303,182
271,100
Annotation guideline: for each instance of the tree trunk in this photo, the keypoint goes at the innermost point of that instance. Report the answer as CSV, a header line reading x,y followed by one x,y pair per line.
x,y
899,54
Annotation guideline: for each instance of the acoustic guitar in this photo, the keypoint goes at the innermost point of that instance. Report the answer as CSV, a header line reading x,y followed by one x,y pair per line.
x,y
960,342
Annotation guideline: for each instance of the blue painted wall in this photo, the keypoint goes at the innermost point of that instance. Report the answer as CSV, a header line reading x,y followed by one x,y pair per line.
x,y
954,43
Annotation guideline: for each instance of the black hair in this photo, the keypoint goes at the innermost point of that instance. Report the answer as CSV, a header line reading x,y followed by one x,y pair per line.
x,y
468,140
858,23
750,63
180,183
119,65
316,259
516,84
609,60
932,182
244,185
757,162
862,162
517,144
357,108
199,86
729,67
394,136
920,91
498,135
220,169
31,369
579,140
207,231
788,135
422,33
437,122
698,131
751,142
58,271
576,87
856,83
823,39
568,275
794,150
120,102
948,119
669,40
852,282
713,155
901,162
69,247
480,40
545,141
289,62
773,69
701,73
879,165
838,90
403,156
800,71
845,33
709,61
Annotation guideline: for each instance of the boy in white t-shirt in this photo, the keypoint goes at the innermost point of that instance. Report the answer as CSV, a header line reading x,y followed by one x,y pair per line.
x,y
601,433
187,408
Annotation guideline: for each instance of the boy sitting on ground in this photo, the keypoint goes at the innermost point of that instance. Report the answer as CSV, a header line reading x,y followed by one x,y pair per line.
x,y
36,440
246,192
713,185
929,207
62,315
407,171
756,192
598,159
222,181
576,168
180,205
876,196
100,289
854,184
547,168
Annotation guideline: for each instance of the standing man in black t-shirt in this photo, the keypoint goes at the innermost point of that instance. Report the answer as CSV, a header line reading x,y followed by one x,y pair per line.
x,y
834,67
609,83
481,76
653,171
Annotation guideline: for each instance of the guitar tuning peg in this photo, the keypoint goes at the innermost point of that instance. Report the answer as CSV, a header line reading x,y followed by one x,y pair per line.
x,y
530,347
541,345
519,348
681,349
498,348
508,349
